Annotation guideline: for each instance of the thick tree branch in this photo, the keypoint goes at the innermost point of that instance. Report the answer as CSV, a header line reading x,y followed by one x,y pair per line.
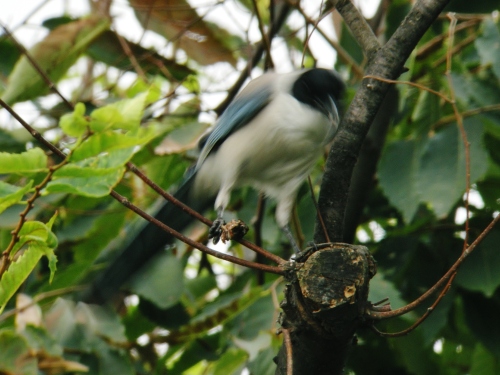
x,y
387,62
360,29
322,330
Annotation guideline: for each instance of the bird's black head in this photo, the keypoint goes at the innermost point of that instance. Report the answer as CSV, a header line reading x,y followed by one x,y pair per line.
x,y
316,86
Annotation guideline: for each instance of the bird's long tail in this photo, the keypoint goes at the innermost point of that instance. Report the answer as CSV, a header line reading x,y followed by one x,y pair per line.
x,y
150,241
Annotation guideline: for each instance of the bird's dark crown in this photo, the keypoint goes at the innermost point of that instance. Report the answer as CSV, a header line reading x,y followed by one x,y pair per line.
x,y
317,85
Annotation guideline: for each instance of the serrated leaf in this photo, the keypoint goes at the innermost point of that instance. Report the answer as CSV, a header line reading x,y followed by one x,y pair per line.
x,y
10,194
31,161
55,54
89,182
431,170
125,114
35,232
109,141
75,124
17,272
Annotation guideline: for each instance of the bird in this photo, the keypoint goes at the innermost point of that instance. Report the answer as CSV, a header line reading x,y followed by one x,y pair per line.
x,y
269,138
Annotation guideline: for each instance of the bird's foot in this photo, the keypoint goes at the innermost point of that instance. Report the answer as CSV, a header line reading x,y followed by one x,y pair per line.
x,y
215,231
234,230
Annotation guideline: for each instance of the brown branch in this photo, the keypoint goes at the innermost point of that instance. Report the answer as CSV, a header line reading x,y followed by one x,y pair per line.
x,y
41,297
242,262
275,27
198,216
269,64
37,67
472,112
128,52
7,253
436,42
460,123
126,203
343,55
289,350
403,310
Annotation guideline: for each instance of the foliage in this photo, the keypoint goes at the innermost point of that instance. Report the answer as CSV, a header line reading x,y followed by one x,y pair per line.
x,y
189,314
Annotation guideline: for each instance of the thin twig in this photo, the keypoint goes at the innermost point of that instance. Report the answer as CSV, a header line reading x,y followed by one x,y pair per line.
x,y
341,52
269,64
471,112
41,297
421,87
289,351
37,67
460,123
313,197
126,203
309,34
197,215
253,61
128,52
403,310
242,262
7,253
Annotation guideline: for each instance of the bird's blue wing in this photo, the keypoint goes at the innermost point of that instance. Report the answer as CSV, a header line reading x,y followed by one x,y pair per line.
x,y
239,113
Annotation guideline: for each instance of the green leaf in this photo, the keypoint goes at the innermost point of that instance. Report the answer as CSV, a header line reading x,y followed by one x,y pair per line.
x,y
431,170
17,272
31,161
199,286
481,315
109,141
36,232
397,171
125,114
480,271
161,282
10,194
75,124
55,54
101,321
15,355
263,364
89,182
231,362
40,339
10,54
225,308
488,44
483,362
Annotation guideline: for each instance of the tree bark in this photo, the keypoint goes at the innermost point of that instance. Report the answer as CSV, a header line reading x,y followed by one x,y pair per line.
x,y
327,288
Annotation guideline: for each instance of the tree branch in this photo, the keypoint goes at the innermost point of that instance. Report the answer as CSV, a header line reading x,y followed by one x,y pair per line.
x,y
387,62
360,29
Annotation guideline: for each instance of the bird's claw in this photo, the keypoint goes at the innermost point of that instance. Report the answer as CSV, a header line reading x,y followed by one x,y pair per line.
x,y
234,230
215,231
